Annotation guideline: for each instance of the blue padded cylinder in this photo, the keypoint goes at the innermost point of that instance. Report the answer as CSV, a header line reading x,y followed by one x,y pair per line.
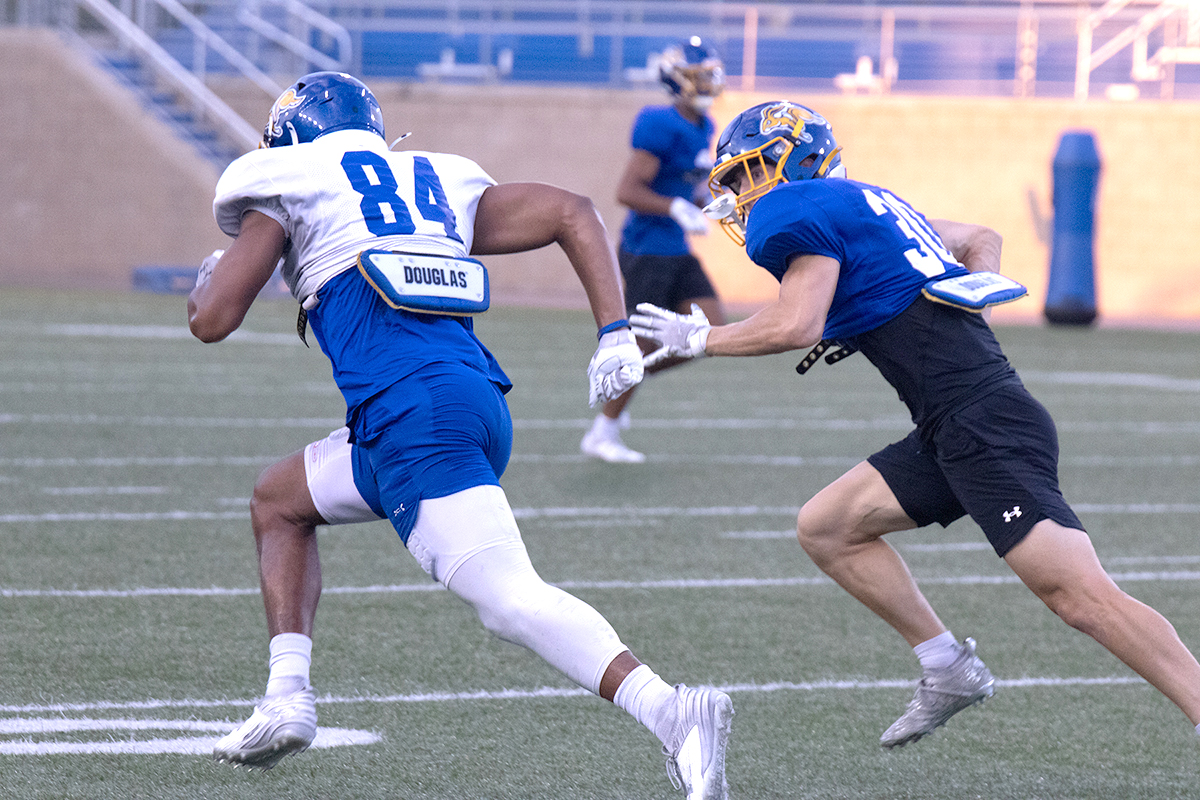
x,y
1071,289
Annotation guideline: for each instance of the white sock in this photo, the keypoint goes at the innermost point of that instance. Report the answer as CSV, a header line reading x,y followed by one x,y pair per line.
x,y
938,652
1198,730
650,700
291,656
606,426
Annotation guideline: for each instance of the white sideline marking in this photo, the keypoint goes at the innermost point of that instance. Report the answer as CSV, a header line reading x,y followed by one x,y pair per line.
x,y
266,423
1153,560
1131,379
567,458
140,461
897,423
91,490
124,516
677,583
188,745
597,512
164,332
548,692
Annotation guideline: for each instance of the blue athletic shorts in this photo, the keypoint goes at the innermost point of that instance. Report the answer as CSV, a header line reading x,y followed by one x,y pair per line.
x,y
443,429
996,460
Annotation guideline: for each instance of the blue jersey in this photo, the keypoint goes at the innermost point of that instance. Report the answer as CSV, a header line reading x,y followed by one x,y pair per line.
x,y
373,346
337,196
682,149
887,250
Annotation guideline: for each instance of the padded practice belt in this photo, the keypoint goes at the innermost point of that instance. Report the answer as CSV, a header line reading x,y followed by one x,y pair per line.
x,y
427,284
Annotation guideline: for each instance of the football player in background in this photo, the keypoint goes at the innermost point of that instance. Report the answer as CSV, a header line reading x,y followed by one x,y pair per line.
x,y
428,430
861,269
662,185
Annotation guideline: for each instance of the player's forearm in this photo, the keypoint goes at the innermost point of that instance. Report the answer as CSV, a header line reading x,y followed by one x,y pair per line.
x,y
795,320
774,329
585,243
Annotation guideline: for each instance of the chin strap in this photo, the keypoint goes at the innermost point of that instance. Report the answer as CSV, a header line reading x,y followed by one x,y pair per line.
x,y
834,356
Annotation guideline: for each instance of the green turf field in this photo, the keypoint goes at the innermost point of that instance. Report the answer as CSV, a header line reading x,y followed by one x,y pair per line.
x,y
131,631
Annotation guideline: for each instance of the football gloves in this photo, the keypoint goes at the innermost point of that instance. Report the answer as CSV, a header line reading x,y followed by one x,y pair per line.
x,y
615,368
679,335
206,267
689,216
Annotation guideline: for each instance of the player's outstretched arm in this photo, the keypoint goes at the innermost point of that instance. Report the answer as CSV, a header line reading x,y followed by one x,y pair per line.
x,y
515,217
977,247
795,320
217,306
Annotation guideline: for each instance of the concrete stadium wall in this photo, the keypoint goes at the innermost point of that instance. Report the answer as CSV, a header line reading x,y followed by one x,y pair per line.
x,y
92,186
990,161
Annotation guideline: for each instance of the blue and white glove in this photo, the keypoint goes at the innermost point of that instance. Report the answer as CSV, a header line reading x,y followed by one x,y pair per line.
x,y
679,336
689,216
615,368
206,267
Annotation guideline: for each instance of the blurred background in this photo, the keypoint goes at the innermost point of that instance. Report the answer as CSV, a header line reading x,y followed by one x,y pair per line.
x,y
120,117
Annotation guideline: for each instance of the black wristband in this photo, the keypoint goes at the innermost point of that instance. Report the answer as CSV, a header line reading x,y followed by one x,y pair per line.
x,y
612,326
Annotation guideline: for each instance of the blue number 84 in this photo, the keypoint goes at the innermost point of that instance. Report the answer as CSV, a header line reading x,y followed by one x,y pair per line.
x,y
384,211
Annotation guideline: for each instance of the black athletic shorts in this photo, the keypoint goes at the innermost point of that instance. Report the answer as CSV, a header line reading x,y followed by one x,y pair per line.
x,y
665,281
996,460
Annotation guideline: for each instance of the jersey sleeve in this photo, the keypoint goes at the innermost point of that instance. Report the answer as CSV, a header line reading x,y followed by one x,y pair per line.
x,y
787,223
246,186
464,182
650,134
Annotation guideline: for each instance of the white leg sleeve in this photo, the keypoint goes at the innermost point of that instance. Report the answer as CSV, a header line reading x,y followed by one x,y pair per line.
x,y
470,543
330,473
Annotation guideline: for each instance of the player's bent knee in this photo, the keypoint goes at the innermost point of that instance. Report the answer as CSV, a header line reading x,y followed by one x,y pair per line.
x,y
281,497
822,528
1088,609
510,616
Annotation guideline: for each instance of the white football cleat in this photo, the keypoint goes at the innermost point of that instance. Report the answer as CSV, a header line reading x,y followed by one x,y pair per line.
x,y
941,694
695,750
609,448
603,441
279,726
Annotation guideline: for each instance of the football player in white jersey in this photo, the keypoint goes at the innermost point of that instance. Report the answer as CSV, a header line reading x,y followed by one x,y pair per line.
x,y
376,247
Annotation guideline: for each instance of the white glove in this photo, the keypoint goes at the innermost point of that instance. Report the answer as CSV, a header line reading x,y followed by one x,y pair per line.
x,y
689,217
206,267
615,368
679,336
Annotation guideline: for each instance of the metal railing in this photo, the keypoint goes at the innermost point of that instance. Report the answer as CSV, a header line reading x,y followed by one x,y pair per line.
x,y
1019,47
303,24
1159,67
133,37
1016,47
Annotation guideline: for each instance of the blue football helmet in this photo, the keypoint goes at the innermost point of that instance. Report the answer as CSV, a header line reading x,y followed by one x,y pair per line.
x,y
320,103
762,146
692,71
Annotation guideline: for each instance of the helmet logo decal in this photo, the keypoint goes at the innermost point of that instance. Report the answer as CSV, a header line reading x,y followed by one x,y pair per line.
x,y
791,118
287,100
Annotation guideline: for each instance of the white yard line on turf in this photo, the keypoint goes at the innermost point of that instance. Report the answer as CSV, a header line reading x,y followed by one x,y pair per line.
x,y
544,692
673,583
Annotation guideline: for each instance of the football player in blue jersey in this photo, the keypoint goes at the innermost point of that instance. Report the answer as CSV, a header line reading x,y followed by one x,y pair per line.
x,y
860,269
662,185
376,247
